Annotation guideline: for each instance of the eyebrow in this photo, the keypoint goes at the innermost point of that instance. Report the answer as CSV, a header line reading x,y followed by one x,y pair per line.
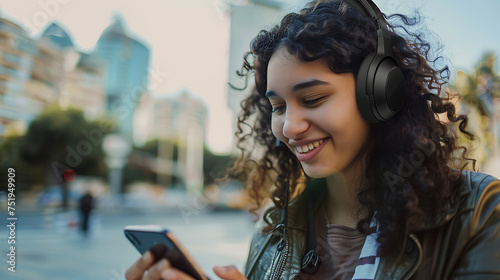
x,y
300,86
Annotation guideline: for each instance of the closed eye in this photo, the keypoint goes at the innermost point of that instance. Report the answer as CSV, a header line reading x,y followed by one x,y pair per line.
x,y
278,109
314,101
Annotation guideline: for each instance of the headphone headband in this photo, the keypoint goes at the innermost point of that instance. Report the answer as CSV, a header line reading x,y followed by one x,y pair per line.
x,y
380,83
368,9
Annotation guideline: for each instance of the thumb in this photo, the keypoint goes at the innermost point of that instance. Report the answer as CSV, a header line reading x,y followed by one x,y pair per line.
x,y
228,272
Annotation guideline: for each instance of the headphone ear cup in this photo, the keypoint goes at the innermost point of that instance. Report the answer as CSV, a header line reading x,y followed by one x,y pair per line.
x,y
380,88
362,95
388,88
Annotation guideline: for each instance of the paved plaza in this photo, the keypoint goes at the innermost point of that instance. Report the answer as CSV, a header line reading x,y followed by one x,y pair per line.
x,y
50,247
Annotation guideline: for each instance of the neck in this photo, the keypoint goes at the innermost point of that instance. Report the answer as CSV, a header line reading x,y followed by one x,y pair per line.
x,y
342,203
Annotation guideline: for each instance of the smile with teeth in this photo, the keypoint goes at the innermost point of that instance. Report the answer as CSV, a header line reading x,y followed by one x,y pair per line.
x,y
309,147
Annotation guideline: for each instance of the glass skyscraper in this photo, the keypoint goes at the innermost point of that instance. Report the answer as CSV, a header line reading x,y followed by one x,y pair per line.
x,y
126,73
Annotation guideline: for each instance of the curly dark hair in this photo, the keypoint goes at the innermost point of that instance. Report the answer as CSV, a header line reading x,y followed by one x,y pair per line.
x,y
409,170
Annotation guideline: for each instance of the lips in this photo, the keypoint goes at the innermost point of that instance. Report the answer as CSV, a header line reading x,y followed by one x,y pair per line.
x,y
310,155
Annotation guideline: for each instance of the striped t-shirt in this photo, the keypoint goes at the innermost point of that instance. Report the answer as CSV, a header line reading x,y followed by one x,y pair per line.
x,y
345,252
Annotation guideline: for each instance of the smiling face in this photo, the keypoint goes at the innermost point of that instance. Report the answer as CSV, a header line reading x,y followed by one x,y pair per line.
x,y
315,114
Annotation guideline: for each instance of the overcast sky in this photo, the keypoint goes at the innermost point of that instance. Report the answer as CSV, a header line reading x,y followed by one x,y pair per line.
x,y
189,38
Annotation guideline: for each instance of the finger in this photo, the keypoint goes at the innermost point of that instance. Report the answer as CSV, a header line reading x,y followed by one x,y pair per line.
x,y
228,272
154,272
136,271
174,274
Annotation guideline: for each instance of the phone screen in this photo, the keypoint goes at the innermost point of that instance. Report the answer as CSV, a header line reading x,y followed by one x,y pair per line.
x,y
146,237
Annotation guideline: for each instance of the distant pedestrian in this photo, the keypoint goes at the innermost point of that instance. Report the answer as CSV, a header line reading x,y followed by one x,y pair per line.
x,y
86,205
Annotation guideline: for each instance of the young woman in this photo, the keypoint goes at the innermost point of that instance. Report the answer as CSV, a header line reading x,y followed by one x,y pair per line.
x,y
355,158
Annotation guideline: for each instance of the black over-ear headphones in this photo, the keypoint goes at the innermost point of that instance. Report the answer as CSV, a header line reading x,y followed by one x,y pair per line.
x,y
380,84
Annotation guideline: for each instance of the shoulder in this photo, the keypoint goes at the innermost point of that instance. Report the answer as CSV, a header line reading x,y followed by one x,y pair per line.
x,y
478,180
479,210
484,193
476,231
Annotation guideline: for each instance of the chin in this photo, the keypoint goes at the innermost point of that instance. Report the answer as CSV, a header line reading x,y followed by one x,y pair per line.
x,y
318,173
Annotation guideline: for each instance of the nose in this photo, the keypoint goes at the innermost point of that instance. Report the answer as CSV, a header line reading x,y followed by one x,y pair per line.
x,y
294,124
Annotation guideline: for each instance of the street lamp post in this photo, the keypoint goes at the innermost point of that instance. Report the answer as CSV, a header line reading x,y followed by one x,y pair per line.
x,y
116,149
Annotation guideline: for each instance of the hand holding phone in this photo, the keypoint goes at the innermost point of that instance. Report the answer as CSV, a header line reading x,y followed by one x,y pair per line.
x,y
164,245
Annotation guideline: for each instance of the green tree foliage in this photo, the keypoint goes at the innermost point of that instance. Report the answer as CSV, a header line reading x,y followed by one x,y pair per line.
x,y
57,140
215,166
64,138
27,174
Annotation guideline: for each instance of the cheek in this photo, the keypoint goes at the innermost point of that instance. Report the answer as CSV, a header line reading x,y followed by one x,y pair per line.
x,y
277,128
347,127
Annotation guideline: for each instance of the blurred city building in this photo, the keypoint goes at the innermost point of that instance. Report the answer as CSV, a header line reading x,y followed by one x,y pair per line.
x,y
176,118
57,35
247,19
126,73
83,84
47,70
30,72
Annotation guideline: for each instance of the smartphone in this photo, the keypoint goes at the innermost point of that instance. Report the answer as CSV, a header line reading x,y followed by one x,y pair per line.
x,y
146,237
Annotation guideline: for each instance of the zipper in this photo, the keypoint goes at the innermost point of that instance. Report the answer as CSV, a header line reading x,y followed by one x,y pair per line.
x,y
281,255
282,250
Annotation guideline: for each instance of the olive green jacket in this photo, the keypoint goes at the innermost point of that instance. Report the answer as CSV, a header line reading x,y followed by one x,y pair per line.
x,y
462,243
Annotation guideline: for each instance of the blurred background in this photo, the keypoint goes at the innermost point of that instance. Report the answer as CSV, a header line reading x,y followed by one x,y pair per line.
x,y
115,113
